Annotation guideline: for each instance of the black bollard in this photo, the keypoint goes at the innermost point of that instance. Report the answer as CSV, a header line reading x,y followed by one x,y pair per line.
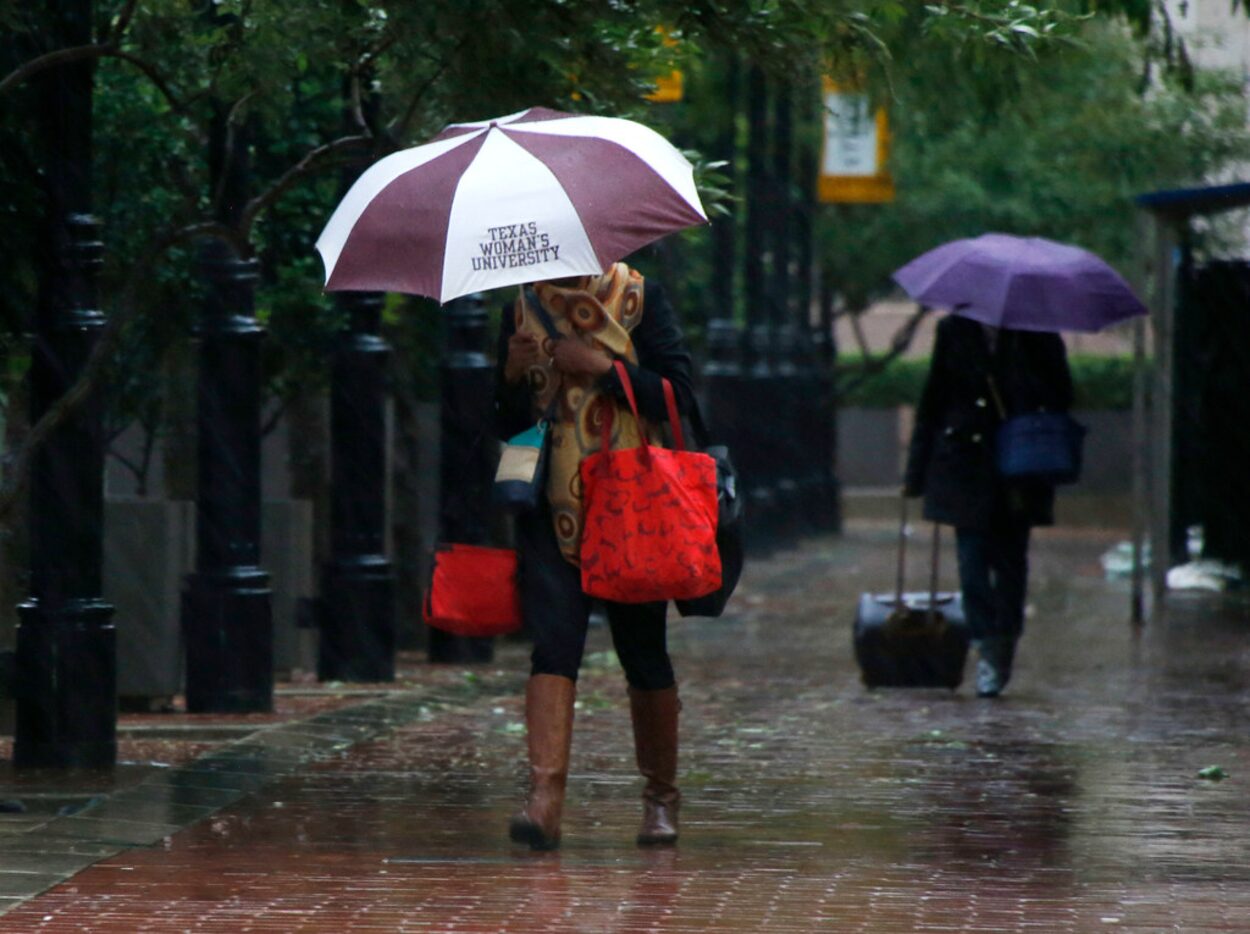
x,y
66,654
358,634
226,606
467,462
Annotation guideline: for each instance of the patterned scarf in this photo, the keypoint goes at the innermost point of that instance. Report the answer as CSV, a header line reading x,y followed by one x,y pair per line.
x,y
600,310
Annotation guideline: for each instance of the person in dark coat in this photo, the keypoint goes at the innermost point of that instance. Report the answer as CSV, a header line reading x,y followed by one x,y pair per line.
x,y
599,319
977,376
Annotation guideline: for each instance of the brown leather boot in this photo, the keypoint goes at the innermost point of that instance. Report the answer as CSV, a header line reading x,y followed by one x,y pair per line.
x,y
549,729
655,743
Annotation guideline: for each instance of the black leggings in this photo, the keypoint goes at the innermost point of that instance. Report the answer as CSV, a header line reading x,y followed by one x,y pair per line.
x,y
557,614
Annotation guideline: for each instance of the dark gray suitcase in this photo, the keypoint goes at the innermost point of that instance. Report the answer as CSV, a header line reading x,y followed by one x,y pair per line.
x,y
911,639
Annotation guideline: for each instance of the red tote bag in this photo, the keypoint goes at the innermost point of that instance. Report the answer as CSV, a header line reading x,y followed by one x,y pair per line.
x,y
473,591
649,528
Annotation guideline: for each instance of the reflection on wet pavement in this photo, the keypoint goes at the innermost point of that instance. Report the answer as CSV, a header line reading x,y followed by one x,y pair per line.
x,y
1072,804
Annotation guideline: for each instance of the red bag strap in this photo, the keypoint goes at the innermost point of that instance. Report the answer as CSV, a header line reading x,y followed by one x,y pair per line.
x,y
670,402
605,428
623,375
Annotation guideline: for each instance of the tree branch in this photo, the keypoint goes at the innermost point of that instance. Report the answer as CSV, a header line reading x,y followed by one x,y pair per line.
x,y
873,365
857,328
67,56
400,126
154,76
357,104
370,57
228,153
84,53
308,164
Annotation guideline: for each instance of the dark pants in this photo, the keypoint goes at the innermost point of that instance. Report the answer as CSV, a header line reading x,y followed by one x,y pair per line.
x,y
993,573
557,614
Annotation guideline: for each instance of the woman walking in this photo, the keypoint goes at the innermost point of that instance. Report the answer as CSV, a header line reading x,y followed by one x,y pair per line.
x,y
978,375
597,319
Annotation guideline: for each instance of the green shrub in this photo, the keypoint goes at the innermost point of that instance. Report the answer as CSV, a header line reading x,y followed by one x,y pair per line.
x,y
1099,382
1102,382
900,383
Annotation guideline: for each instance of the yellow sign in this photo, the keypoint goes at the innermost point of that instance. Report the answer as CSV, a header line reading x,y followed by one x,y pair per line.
x,y
856,147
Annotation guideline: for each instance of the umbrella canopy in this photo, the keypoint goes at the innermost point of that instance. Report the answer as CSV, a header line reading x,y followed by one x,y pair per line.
x,y
1026,283
535,195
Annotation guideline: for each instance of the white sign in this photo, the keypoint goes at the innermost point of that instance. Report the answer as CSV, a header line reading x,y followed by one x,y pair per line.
x,y
850,135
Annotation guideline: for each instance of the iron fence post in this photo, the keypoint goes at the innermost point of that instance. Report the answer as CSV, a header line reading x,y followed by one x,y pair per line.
x,y
467,465
358,633
226,606
66,655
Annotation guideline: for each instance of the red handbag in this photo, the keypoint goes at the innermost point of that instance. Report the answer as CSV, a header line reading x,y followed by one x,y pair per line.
x,y
649,524
473,591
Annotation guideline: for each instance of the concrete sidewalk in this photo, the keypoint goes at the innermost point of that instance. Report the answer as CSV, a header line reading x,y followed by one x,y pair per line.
x,y
1073,803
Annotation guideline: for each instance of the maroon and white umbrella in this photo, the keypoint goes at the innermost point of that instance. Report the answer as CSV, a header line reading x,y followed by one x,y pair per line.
x,y
536,195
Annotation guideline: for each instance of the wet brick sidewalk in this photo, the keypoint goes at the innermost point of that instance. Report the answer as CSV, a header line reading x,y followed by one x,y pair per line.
x,y
1074,803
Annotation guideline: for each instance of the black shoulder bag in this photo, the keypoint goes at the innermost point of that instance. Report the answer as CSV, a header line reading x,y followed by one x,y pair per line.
x,y
728,525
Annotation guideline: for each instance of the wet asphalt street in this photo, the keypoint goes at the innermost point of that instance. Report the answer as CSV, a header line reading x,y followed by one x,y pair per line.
x,y
1073,803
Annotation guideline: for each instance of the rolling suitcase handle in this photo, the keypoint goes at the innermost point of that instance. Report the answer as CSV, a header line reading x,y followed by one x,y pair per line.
x,y
902,561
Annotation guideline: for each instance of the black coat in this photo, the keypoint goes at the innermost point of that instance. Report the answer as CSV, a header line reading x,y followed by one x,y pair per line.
x,y
951,459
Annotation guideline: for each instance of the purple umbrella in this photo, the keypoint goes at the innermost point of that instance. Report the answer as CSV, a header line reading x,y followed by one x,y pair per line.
x,y
1026,283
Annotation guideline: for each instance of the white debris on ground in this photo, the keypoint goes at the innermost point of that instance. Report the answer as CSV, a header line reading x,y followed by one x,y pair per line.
x,y
1196,574
1204,574
1117,561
